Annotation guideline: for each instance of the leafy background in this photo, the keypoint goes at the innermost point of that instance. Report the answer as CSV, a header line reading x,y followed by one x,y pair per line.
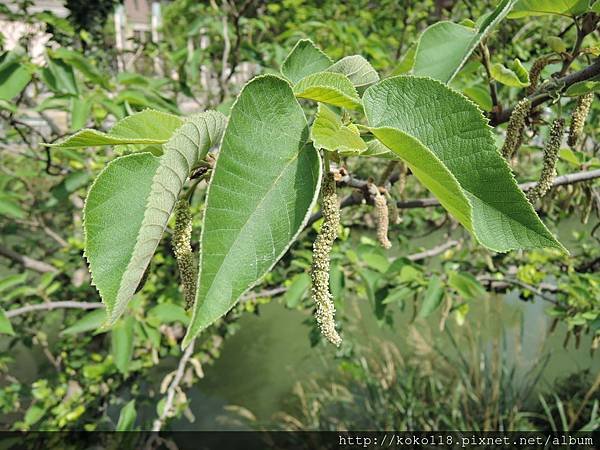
x,y
462,338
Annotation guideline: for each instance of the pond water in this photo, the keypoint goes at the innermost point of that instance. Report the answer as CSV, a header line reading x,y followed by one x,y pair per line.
x,y
270,353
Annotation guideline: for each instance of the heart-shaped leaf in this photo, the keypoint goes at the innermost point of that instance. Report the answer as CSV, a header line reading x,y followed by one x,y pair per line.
x,y
304,59
263,187
448,145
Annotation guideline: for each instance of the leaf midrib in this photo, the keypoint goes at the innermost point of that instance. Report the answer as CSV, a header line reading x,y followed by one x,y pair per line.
x,y
258,205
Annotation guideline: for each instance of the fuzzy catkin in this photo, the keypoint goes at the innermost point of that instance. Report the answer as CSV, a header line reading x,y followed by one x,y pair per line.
x,y
534,74
319,273
516,126
382,215
550,157
182,248
580,114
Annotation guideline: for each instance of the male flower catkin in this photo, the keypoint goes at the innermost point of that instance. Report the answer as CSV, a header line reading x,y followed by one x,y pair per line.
x,y
534,74
516,126
319,272
183,251
550,157
580,113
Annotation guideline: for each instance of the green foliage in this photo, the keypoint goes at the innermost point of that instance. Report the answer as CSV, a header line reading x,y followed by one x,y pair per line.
x,y
80,375
444,47
265,171
441,160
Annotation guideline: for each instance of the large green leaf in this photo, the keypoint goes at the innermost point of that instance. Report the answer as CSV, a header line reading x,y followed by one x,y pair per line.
x,y
145,128
262,190
130,203
304,59
328,87
444,47
357,69
525,8
329,133
448,145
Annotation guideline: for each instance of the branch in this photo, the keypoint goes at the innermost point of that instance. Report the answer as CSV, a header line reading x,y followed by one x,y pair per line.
x,y
173,387
69,304
434,251
544,93
26,261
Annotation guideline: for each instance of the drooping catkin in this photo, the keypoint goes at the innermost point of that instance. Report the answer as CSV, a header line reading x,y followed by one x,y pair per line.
x,y
550,157
516,126
319,273
534,74
580,114
382,216
182,248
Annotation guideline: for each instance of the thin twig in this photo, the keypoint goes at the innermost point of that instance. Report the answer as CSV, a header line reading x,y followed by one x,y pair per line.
x,y
68,304
172,390
26,261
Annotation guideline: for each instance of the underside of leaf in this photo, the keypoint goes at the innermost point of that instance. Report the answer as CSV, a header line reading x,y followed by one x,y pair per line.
x,y
328,87
263,187
144,128
127,210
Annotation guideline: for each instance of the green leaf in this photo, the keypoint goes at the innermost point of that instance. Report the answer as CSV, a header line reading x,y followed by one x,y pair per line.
x,y
466,285
130,203
122,343
525,8
357,69
14,76
59,77
556,44
91,321
263,188
296,291
515,76
376,149
407,62
328,87
5,326
328,132
82,64
145,128
10,208
444,47
168,313
304,59
12,281
447,143
433,296
127,417
480,95
595,7
582,88
80,112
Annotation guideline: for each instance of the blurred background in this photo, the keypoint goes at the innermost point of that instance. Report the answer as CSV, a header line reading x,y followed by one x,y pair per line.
x,y
439,333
